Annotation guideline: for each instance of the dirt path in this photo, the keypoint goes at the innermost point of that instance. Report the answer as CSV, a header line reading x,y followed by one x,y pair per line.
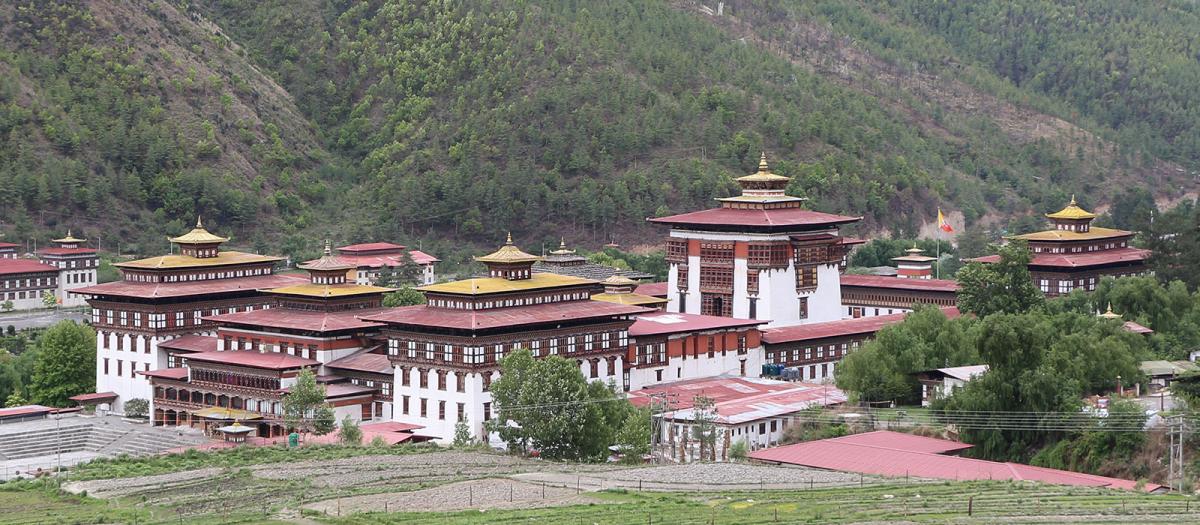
x,y
482,494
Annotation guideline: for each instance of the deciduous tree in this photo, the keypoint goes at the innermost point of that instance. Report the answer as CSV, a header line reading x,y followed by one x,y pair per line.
x,y
65,365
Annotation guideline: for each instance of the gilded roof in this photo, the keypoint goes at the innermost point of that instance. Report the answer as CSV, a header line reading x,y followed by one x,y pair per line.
x,y
198,235
508,254
1094,232
630,298
1109,314
329,290
763,174
185,261
562,248
69,239
327,262
619,280
489,285
1072,211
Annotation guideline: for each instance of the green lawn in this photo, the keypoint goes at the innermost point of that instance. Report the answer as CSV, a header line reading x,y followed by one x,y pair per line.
x,y
41,502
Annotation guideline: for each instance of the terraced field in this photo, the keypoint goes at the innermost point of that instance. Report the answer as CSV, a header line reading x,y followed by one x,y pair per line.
x,y
345,486
955,503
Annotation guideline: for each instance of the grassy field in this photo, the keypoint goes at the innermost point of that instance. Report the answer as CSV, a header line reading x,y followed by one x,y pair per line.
x,y
987,502
126,467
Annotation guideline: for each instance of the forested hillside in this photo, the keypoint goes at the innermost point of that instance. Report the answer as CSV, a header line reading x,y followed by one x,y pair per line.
x,y
448,123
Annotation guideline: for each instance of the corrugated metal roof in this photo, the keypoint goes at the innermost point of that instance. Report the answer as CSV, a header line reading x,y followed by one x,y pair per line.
x,y
425,315
844,327
741,399
757,217
669,323
898,283
896,456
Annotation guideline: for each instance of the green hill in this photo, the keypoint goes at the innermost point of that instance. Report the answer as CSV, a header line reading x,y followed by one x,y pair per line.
x,y
285,121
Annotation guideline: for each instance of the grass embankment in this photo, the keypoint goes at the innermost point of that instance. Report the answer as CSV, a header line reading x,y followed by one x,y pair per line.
x,y
127,467
41,502
989,502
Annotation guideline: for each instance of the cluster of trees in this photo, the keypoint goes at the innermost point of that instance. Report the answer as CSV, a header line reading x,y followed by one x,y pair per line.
x,y
546,405
1043,358
47,368
114,129
478,119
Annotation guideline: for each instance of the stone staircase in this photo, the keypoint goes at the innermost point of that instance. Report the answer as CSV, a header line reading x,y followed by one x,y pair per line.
x,y
144,443
69,437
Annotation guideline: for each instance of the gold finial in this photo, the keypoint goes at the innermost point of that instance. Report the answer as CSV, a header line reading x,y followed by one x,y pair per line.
x,y
69,233
762,162
1072,200
328,248
508,241
562,243
199,224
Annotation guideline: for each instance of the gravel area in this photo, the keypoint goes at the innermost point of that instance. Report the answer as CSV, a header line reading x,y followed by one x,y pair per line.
x,y
483,494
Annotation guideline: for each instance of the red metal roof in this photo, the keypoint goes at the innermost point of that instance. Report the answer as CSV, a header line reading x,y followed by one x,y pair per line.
x,y
900,440
364,361
16,266
894,456
191,343
427,316
9,245
379,260
25,410
741,399
390,426
270,360
1079,260
1137,328
344,390
897,283
421,257
658,323
208,287
67,251
814,331
757,217
178,374
308,320
370,247
95,396
652,289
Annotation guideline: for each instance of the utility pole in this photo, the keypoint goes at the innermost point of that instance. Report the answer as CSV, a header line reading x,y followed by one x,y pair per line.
x,y
1177,428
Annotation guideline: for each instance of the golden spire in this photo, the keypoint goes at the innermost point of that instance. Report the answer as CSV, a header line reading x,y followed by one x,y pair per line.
x,y
1072,200
328,248
562,243
508,253
198,235
1109,314
762,162
1072,212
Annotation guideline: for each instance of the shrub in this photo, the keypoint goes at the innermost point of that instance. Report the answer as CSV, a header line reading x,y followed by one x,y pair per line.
x,y
738,451
137,407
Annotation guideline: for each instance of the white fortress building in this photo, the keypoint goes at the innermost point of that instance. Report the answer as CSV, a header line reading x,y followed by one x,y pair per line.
x,y
760,255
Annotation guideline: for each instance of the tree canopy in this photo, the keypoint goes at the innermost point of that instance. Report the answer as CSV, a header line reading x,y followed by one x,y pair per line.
x,y
1000,287
547,405
65,364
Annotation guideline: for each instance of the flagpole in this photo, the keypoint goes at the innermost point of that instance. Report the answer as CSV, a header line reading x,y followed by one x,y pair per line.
x,y
937,241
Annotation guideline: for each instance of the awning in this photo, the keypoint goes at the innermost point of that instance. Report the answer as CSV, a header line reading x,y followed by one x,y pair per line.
x,y
93,398
226,413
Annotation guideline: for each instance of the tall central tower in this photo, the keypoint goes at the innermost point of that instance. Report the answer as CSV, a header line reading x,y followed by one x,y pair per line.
x,y
760,255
